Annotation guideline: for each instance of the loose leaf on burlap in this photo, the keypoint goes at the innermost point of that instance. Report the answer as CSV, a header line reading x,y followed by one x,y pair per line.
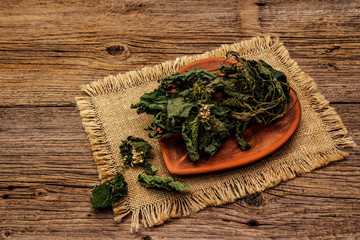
x,y
134,150
149,169
168,183
106,194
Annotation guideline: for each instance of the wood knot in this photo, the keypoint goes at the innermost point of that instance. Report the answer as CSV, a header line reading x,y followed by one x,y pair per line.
x,y
5,196
253,223
254,200
147,237
40,192
7,233
120,51
332,49
115,50
10,187
331,66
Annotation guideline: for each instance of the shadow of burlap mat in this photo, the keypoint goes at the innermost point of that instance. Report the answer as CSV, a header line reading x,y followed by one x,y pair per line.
x,y
107,119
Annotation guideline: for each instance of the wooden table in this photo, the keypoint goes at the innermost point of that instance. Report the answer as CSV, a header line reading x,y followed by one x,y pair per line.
x,y
49,48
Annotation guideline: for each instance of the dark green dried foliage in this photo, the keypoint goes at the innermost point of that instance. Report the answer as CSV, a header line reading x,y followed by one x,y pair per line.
x,y
149,169
206,108
106,194
134,150
168,183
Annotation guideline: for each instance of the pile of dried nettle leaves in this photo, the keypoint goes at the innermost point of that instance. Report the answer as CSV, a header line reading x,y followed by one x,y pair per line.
x,y
205,108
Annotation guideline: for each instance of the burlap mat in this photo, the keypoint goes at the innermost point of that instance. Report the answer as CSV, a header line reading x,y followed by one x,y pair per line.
x,y
107,118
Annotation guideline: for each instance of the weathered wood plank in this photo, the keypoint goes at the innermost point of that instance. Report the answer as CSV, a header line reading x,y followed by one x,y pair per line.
x,y
49,48
45,57
46,176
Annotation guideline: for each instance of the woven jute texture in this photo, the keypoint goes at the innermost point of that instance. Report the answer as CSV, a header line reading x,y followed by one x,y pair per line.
x,y
107,119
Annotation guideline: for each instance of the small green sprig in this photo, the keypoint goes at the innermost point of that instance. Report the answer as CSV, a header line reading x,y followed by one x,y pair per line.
x,y
134,151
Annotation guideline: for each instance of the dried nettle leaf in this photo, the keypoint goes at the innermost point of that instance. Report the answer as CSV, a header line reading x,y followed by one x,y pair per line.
x,y
206,108
168,183
134,151
149,169
106,194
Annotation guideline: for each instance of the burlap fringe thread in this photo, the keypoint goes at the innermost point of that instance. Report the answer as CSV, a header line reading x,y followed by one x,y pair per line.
x,y
157,213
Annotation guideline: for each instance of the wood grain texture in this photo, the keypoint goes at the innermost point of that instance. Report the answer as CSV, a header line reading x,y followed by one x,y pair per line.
x,y
46,185
49,48
43,40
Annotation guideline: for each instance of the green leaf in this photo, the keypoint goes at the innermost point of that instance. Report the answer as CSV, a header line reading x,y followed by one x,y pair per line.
x,y
119,187
179,107
101,196
241,126
126,152
149,169
153,102
140,144
190,133
106,194
134,150
168,183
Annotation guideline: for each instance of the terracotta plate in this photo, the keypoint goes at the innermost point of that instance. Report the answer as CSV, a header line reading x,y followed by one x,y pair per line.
x,y
264,139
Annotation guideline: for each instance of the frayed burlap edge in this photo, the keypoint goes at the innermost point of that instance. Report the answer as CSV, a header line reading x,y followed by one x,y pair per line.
x,y
256,181
99,145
